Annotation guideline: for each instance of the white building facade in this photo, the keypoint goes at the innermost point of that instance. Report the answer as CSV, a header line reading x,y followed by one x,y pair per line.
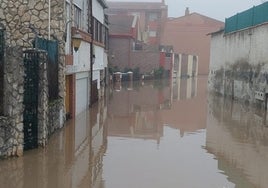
x,y
100,47
86,67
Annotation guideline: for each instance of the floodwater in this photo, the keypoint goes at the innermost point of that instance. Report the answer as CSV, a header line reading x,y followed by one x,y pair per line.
x,y
151,135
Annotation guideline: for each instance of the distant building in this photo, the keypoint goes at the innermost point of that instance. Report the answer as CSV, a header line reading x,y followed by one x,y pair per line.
x,y
152,16
128,51
188,35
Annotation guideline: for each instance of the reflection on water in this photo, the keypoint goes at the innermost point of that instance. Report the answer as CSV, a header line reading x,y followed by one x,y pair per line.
x,y
156,136
151,134
238,136
72,159
143,110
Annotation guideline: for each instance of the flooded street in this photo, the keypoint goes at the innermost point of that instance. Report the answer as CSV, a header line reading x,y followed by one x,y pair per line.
x,y
151,135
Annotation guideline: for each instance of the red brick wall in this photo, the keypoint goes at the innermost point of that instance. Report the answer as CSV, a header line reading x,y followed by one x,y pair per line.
x,y
146,61
124,57
119,52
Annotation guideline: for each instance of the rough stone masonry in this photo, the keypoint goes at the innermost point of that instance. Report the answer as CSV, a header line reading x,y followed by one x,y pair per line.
x,y
18,17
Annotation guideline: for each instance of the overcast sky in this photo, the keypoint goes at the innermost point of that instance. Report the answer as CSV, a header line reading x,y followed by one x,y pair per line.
x,y
217,9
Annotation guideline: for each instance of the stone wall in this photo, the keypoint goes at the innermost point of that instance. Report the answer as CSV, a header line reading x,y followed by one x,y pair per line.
x,y
18,16
6,141
239,64
23,21
43,101
12,125
54,116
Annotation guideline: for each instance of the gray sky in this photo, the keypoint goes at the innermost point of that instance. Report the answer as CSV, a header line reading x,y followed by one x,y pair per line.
x,y
218,9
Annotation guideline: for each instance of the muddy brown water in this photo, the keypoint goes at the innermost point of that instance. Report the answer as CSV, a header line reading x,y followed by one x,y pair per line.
x,y
151,135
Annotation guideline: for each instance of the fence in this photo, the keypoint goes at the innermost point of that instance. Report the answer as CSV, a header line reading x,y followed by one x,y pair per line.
x,y
249,18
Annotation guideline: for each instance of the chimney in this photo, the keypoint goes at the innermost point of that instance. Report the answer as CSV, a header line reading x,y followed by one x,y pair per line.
x,y
187,11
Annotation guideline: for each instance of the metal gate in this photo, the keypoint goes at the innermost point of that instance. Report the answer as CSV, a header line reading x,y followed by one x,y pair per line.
x,y
2,47
30,114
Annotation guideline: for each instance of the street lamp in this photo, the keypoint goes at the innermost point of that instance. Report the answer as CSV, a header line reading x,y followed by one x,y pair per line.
x,y
76,40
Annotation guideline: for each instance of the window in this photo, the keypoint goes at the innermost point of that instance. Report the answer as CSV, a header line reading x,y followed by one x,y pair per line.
x,y
106,41
152,34
78,16
153,16
95,28
99,32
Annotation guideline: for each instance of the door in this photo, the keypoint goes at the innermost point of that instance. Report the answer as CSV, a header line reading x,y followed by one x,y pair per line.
x,y
81,95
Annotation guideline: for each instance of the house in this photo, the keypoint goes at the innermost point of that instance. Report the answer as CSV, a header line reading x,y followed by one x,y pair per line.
x,y
238,60
99,49
77,61
140,41
85,68
44,74
151,15
129,52
188,35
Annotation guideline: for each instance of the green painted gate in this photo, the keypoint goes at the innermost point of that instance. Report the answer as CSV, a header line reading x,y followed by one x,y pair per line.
x,y
30,114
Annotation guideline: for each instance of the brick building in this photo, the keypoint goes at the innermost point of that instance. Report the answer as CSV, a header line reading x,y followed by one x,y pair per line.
x,y
188,35
152,16
126,48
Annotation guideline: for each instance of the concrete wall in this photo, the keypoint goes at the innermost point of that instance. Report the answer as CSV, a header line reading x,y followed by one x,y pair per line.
x,y
185,65
239,64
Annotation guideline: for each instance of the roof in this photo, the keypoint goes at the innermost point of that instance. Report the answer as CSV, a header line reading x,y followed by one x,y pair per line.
x,y
137,5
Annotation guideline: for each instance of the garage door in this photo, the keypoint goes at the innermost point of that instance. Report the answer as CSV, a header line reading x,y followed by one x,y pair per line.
x,y
81,95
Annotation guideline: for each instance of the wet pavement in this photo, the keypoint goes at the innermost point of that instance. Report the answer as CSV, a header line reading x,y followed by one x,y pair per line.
x,y
153,134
